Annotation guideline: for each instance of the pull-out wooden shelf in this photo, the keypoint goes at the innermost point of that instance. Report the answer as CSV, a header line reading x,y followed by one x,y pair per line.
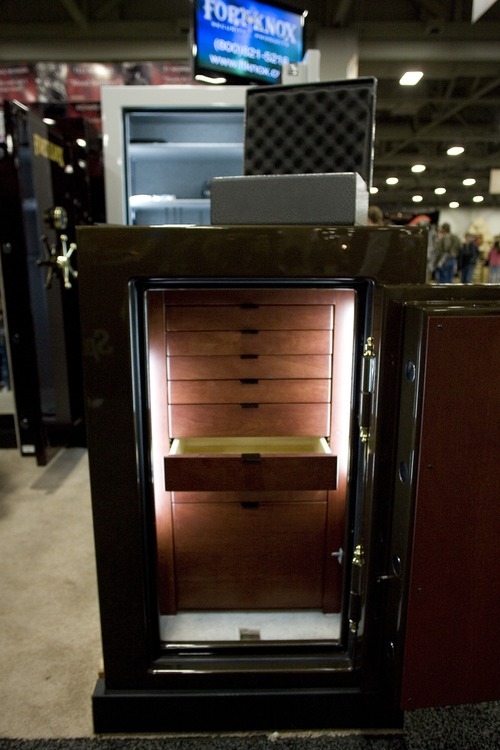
x,y
246,464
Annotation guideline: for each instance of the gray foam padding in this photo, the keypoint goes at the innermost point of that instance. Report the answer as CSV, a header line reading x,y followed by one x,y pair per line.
x,y
311,128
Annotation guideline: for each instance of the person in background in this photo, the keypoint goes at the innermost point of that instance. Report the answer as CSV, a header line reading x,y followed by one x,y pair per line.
x,y
494,263
446,252
375,217
467,258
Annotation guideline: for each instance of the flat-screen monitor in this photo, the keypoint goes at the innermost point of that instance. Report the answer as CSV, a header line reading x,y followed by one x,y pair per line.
x,y
238,41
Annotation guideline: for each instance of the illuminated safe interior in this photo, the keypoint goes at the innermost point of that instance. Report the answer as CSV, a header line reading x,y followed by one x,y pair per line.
x,y
277,519
250,398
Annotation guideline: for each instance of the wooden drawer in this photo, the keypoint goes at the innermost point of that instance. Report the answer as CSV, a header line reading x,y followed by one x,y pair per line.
x,y
249,296
278,465
208,343
250,366
250,497
232,557
211,420
248,390
260,317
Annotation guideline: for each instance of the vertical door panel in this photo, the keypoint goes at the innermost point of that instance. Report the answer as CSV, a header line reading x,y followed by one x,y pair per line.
x,y
452,647
41,311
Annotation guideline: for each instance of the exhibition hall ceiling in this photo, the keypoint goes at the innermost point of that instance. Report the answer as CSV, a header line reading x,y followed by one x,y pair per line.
x,y
457,101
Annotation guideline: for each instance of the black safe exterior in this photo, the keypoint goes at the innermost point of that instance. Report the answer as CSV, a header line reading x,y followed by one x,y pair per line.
x,y
373,674
44,173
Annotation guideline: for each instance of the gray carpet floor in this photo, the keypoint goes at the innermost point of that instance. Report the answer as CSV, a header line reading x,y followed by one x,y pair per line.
x,y
50,640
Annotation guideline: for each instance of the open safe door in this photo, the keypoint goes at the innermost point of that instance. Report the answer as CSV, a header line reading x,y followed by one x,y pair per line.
x,y
447,496
39,293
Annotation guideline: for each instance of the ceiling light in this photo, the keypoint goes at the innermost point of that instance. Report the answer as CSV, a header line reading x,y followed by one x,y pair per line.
x,y
418,168
392,181
455,150
440,190
453,204
417,198
373,190
411,77
469,181
478,198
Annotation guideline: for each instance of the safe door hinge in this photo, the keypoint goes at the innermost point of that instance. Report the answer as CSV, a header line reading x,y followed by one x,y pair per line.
x,y
367,388
356,592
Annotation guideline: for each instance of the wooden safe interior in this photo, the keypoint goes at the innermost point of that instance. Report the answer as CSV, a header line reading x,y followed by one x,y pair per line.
x,y
250,409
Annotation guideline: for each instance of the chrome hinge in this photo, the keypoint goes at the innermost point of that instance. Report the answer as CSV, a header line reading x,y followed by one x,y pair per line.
x,y
355,597
367,388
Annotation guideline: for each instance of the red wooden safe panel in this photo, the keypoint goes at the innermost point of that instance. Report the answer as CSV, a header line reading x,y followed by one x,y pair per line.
x,y
452,651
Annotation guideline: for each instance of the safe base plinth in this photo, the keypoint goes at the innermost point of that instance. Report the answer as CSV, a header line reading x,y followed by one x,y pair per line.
x,y
153,711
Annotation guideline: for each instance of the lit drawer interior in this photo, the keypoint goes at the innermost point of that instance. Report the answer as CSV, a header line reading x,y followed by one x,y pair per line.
x,y
243,445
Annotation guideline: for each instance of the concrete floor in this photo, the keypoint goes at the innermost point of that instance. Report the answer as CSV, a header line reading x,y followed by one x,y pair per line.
x,y
50,650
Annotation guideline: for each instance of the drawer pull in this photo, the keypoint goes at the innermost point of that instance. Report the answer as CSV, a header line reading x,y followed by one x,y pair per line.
x,y
251,331
249,504
249,406
249,381
249,356
251,458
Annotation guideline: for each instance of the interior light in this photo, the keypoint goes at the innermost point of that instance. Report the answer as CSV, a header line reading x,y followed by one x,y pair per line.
x,y
392,180
49,121
454,204
455,150
373,190
478,198
440,190
411,77
207,79
81,142
418,168
469,181
417,198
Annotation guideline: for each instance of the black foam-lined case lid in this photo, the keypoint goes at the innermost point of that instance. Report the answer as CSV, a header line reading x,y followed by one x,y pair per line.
x,y
311,128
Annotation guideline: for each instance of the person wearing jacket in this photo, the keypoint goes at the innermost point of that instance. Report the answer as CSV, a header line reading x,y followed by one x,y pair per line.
x,y
446,253
467,258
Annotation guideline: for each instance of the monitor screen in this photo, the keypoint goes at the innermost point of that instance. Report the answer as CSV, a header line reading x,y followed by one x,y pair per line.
x,y
245,41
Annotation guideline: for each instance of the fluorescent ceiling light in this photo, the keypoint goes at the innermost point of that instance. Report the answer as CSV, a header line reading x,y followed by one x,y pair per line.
x,y
455,150
418,168
469,181
454,204
411,77
440,190
392,181
417,198
373,190
478,199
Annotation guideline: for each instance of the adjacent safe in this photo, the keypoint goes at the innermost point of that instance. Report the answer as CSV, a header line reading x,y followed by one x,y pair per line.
x,y
293,459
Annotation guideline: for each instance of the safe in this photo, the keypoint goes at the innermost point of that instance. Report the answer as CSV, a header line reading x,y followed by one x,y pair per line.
x,y
292,446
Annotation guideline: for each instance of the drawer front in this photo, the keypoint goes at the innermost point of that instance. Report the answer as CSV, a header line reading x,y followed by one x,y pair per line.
x,y
249,297
267,317
208,343
253,366
250,419
226,556
251,498
248,390
250,472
